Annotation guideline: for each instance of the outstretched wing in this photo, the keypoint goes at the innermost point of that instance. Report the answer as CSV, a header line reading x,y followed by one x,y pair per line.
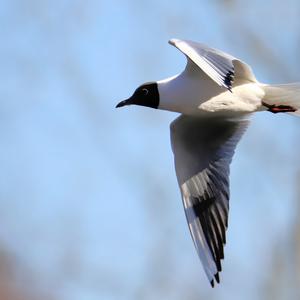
x,y
203,149
219,66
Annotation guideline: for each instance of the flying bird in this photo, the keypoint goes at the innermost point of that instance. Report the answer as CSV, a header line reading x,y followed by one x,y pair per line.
x,y
214,94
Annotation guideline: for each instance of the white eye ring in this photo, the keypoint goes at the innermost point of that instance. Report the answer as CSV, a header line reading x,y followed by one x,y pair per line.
x,y
145,91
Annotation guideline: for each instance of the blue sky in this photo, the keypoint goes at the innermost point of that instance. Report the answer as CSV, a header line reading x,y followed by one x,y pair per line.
x,y
89,201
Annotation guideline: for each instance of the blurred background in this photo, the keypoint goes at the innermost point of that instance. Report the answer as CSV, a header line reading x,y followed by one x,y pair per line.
x,y
89,203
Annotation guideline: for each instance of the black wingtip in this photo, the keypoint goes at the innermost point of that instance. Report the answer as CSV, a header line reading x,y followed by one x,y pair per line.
x,y
217,277
218,264
228,80
212,283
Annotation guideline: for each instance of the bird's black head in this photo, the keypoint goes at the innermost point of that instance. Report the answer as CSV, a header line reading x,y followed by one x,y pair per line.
x,y
145,95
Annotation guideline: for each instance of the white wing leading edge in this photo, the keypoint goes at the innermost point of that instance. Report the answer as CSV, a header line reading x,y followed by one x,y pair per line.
x,y
203,150
219,66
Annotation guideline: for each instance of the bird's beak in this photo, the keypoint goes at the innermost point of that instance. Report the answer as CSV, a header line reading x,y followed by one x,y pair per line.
x,y
124,102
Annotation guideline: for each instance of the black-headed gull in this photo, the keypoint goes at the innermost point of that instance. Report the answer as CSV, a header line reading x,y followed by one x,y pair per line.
x,y
214,95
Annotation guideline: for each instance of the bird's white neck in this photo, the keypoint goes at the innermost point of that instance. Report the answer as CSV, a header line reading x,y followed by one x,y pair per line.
x,y
180,93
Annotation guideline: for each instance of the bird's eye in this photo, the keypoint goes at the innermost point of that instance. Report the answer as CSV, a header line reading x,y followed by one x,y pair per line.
x,y
145,92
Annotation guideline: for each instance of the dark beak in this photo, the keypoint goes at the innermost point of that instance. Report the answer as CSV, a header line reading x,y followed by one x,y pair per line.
x,y
123,103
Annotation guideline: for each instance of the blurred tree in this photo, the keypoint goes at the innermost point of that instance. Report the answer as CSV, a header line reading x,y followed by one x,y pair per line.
x,y
16,283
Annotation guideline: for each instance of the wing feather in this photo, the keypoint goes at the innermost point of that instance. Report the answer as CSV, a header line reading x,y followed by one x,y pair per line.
x,y
219,66
203,149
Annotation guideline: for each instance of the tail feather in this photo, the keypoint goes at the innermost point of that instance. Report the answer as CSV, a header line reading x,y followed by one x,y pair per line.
x,y
283,95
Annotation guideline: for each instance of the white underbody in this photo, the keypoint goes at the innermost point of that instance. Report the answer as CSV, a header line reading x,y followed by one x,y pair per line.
x,y
195,93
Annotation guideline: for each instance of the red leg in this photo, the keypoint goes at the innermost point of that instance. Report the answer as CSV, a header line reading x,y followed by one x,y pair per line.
x,y
279,108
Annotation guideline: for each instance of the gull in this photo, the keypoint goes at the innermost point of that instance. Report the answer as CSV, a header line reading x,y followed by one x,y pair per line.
x,y
215,94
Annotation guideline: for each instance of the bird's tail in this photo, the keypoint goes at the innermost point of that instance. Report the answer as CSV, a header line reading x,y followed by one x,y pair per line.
x,y
282,98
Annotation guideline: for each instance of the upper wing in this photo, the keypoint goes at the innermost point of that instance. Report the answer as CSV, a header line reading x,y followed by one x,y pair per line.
x,y
203,149
219,66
